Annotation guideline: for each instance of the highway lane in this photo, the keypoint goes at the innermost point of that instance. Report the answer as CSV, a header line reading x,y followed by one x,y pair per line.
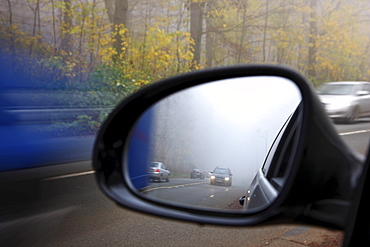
x,y
356,135
62,206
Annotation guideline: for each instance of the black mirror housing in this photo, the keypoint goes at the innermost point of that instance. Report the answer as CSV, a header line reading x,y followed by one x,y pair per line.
x,y
321,180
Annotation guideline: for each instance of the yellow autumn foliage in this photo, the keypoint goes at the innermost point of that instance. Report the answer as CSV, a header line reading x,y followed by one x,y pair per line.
x,y
160,45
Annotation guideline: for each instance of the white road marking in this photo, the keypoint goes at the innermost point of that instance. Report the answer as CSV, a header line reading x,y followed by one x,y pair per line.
x,y
69,175
353,132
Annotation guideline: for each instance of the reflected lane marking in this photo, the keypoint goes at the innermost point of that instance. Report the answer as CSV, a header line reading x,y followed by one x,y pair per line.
x,y
172,187
353,132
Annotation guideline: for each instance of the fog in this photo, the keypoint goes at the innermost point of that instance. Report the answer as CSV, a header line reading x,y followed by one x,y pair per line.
x,y
229,123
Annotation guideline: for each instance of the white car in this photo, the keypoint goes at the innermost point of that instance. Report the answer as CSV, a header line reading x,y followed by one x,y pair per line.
x,y
158,171
346,101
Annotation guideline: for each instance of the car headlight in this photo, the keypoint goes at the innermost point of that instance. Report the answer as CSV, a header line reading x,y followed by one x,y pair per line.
x,y
227,179
213,177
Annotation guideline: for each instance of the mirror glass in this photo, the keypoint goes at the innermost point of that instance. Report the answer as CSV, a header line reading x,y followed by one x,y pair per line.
x,y
203,146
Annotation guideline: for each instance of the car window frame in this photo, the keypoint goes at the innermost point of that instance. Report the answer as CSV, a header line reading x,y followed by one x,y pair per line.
x,y
285,143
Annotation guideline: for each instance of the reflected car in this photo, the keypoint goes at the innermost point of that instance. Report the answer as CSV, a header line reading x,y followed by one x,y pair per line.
x,y
345,101
221,176
158,171
197,173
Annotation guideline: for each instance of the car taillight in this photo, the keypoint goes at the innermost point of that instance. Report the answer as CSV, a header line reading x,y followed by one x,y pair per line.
x,y
157,170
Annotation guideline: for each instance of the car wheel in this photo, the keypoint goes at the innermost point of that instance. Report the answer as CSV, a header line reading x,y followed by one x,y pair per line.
x,y
160,179
167,179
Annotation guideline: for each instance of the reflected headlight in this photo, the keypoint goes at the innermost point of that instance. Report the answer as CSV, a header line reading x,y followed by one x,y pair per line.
x,y
227,178
213,177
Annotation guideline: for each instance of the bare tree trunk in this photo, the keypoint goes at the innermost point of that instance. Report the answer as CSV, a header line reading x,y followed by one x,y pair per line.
x,y
363,63
67,25
12,45
311,72
91,40
209,49
110,9
265,32
120,22
143,47
10,20
36,23
196,28
210,37
243,33
54,27
178,28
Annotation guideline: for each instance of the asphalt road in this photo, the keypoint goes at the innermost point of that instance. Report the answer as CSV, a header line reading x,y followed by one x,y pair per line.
x,y
356,135
62,206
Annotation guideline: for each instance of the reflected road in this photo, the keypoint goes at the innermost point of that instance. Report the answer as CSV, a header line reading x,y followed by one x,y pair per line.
x,y
196,192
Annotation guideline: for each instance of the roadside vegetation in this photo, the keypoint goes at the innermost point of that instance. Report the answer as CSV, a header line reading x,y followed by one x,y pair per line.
x,y
124,45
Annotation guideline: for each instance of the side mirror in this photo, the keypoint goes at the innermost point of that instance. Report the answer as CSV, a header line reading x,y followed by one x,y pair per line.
x,y
264,122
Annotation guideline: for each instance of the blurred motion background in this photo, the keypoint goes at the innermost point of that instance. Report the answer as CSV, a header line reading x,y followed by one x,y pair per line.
x,y
45,123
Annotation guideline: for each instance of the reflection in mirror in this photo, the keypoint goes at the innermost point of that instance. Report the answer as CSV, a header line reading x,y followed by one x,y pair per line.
x,y
204,146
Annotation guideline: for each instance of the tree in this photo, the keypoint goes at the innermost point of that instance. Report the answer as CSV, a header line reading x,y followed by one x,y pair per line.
x,y
210,36
67,42
119,27
311,72
196,29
